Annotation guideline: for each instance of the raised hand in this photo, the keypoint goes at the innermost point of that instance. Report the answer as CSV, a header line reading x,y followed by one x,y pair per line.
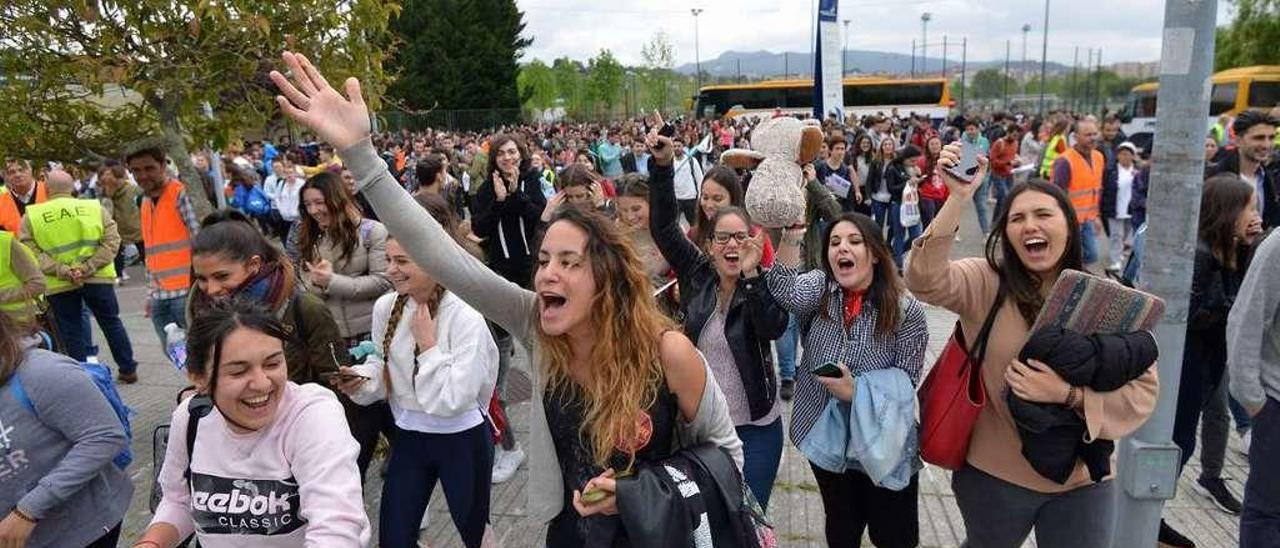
x,y
499,186
311,101
950,157
660,147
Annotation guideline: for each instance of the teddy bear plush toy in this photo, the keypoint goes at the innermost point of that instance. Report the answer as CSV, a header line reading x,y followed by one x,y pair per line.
x,y
780,146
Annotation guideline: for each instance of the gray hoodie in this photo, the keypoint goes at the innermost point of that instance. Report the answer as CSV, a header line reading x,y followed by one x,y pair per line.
x,y
1253,330
512,308
57,464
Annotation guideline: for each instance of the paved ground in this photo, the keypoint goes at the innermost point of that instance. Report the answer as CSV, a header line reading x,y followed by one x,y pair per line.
x,y
796,507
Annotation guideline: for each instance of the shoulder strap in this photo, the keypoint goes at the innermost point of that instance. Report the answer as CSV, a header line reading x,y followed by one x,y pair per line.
x,y
199,407
979,350
20,393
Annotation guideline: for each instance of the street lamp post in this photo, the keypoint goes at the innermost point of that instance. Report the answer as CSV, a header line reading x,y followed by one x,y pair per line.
x,y
697,57
844,55
1022,69
924,42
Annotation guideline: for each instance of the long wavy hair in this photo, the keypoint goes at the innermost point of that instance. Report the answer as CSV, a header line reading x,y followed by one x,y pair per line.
x,y
1224,197
626,359
1016,281
345,214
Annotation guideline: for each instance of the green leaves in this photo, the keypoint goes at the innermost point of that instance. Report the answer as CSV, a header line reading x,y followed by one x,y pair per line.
x,y
1251,37
167,59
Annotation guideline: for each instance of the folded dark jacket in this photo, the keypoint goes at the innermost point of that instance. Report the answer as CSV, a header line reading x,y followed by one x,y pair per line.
x,y
669,503
1053,436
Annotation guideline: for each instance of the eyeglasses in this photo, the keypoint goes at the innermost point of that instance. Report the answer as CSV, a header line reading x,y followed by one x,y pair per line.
x,y
723,237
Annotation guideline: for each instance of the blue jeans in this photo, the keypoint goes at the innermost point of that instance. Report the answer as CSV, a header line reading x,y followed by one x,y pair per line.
x,y
1000,186
68,308
1260,520
761,453
787,344
1238,414
165,312
980,205
880,212
462,462
1132,269
900,236
1089,242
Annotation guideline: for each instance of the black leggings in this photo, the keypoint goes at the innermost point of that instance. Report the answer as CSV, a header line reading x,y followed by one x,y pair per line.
x,y
108,540
853,503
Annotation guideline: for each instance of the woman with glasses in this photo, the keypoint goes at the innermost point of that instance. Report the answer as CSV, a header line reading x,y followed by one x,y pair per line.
x,y
730,315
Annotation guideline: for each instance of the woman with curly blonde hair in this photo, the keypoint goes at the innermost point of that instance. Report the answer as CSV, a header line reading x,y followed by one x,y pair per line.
x,y
616,383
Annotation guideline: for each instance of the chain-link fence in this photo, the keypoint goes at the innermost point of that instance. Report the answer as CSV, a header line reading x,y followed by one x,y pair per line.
x,y
450,120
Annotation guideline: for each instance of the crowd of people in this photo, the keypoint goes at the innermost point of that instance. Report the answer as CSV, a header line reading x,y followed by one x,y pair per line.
x,y
387,283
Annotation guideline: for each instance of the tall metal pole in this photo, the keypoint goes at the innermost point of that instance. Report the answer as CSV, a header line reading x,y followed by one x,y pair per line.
x,y
1005,95
944,57
697,55
924,42
786,65
1097,85
844,53
739,70
913,57
1044,54
1186,61
1075,66
1022,69
964,60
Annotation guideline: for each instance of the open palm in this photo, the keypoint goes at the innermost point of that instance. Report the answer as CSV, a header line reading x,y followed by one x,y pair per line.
x,y
311,101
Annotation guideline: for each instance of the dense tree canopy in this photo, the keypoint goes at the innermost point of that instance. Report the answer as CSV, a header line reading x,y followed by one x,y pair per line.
x,y
1251,38
89,79
458,54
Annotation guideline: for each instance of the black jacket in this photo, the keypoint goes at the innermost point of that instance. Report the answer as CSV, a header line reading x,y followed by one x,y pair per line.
x,y
660,508
896,178
753,319
628,163
1053,436
1213,291
1270,184
510,227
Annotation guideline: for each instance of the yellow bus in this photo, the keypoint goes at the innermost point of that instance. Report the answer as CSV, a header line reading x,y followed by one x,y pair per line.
x,y
1233,90
862,96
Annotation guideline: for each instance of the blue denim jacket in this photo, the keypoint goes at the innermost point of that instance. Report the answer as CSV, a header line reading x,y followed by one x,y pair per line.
x,y
876,433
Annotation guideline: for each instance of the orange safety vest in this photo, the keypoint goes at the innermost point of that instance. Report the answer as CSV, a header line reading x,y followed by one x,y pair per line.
x,y
167,240
10,219
1085,186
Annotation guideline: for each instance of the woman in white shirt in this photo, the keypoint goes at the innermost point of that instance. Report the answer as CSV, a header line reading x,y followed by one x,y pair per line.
x,y
437,370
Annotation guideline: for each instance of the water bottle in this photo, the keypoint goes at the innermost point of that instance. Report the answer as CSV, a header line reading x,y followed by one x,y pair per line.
x,y
175,345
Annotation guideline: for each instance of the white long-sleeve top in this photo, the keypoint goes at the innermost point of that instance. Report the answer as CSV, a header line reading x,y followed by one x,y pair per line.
x,y
444,389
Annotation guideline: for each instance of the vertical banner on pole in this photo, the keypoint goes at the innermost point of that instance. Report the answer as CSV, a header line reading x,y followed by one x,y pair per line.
x,y
828,64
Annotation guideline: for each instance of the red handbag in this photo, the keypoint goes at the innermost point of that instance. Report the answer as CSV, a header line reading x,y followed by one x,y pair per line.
x,y
952,396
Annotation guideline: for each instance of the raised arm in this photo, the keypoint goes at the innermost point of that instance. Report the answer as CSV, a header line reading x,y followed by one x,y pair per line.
x,y
664,224
931,275
344,123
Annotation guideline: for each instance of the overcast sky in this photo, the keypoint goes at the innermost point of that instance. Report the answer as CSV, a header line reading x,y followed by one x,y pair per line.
x,y
1125,30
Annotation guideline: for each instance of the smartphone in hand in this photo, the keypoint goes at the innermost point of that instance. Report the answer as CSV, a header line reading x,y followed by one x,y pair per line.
x,y
828,370
967,168
342,376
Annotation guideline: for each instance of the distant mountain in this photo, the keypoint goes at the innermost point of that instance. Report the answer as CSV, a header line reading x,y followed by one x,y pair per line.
x,y
767,64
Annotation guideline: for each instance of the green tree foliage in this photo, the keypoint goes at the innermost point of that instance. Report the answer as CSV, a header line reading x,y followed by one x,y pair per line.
x,y
604,80
91,79
659,63
538,86
990,83
1251,38
458,54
